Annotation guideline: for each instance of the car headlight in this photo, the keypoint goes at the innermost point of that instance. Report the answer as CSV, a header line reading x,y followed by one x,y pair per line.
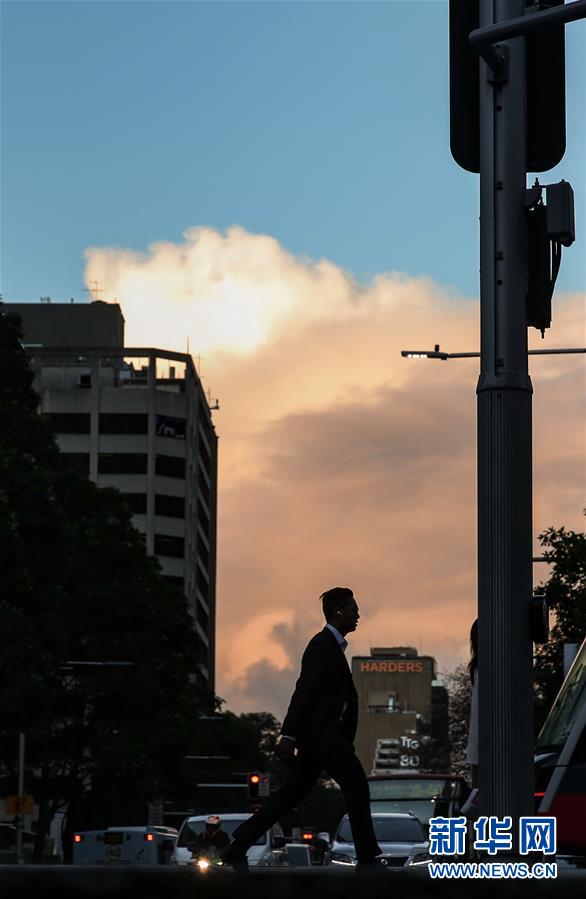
x,y
340,858
422,858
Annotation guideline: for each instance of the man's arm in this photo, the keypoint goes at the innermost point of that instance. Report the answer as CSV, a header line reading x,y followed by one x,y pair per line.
x,y
309,685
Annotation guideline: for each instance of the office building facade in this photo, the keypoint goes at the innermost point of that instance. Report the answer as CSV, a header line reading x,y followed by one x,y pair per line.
x,y
136,419
403,712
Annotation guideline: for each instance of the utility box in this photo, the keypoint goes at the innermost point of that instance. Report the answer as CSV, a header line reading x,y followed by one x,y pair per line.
x,y
560,213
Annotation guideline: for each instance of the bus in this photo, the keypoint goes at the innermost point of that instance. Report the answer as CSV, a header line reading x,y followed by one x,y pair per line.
x,y
423,795
124,846
560,761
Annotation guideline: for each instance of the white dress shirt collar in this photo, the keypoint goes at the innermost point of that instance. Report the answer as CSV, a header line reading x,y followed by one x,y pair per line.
x,y
342,642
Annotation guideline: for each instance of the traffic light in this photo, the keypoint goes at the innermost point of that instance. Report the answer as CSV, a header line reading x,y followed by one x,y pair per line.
x,y
545,91
253,785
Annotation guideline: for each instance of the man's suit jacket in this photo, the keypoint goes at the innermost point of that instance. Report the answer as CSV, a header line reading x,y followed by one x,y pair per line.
x,y
325,684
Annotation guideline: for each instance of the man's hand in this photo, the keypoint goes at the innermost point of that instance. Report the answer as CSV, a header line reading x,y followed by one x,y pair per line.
x,y
285,749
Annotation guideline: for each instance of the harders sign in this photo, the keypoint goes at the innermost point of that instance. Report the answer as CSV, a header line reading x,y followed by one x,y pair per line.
x,y
390,666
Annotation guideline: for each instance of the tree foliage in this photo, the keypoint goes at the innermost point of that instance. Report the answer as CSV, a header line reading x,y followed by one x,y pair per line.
x,y
459,691
565,591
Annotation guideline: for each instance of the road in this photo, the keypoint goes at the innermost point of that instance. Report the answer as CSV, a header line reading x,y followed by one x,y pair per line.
x,y
68,882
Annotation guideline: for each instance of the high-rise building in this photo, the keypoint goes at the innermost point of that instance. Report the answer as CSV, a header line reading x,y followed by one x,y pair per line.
x,y
402,712
136,419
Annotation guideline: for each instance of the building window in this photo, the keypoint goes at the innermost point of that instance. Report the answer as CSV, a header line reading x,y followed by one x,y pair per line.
x,y
137,502
169,546
203,518
171,506
122,463
124,423
201,651
202,584
71,422
203,443
203,553
75,462
167,426
203,617
170,466
173,581
205,490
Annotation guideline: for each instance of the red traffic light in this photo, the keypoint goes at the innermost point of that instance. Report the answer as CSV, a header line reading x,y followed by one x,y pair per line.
x,y
254,784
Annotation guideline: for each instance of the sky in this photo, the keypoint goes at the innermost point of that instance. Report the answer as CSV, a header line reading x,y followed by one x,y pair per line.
x,y
272,182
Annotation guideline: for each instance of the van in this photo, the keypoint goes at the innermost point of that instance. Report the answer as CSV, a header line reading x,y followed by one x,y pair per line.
x,y
124,846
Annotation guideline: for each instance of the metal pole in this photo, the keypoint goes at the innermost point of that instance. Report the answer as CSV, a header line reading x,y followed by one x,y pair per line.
x,y
19,817
504,442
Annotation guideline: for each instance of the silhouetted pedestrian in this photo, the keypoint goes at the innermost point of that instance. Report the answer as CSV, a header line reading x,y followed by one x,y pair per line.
x,y
318,733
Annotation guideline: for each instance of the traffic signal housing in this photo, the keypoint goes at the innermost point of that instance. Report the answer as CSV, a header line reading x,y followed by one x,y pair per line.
x,y
545,88
253,783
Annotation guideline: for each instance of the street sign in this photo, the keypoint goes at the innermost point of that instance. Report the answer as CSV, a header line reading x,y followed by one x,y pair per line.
x,y
19,805
264,787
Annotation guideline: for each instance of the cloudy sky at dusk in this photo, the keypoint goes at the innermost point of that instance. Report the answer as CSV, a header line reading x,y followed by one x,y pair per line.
x,y
273,183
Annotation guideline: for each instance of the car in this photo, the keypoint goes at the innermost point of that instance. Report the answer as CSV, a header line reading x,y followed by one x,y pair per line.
x,y
401,837
267,851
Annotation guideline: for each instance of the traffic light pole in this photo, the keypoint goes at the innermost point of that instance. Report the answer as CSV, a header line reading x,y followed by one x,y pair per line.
x,y
504,436
19,816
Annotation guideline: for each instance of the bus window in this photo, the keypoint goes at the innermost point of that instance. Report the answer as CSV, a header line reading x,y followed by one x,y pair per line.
x,y
569,702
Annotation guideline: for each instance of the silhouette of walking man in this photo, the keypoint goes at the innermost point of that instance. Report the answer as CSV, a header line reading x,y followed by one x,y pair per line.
x,y
317,734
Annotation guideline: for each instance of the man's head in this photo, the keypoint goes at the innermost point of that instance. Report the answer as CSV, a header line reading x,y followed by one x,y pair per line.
x,y
213,824
340,609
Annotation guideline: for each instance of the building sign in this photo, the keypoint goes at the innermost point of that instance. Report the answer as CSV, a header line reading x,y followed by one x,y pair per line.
x,y
396,752
399,666
19,805
409,752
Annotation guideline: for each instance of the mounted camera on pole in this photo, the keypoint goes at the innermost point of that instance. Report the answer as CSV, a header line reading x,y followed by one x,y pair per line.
x,y
507,117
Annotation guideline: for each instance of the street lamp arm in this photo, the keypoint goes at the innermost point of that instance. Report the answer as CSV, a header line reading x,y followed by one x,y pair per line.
x,y
439,354
555,352
71,666
484,39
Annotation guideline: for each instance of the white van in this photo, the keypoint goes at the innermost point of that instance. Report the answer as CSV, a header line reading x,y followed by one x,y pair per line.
x,y
124,846
269,849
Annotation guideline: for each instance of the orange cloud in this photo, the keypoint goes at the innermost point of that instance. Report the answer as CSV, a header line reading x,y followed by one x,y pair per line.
x,y
340,462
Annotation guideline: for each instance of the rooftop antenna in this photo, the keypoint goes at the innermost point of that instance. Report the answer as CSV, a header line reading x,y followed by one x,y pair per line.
x,y
216,401
94,290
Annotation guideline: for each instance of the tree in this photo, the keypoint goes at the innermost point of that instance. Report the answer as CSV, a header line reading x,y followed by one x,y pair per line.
x,y
459,691
565,591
